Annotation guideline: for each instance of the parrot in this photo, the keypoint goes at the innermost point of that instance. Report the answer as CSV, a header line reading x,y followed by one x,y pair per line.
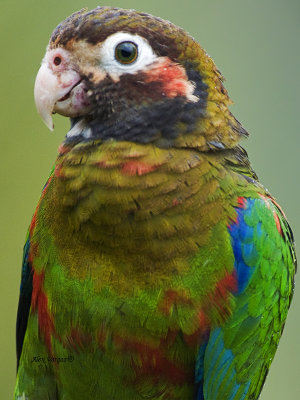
x,y
156,265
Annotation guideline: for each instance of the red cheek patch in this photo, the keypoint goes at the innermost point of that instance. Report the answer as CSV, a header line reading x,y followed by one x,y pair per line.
x,y
172,79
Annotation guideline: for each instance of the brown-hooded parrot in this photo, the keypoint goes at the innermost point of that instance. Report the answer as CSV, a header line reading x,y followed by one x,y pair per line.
x,y
156,265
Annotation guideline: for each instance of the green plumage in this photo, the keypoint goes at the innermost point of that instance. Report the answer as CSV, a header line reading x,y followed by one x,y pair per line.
x,y
156,268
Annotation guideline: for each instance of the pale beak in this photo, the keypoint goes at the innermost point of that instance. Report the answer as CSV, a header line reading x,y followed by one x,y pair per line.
x,y
52,88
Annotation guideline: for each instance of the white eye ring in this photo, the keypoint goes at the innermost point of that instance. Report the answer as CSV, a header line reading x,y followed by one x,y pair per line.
x,y
113,67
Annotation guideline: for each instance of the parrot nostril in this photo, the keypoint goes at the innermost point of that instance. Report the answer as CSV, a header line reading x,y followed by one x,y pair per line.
x,y
57,61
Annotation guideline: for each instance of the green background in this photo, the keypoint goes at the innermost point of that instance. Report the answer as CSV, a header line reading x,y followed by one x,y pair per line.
x,y
255,43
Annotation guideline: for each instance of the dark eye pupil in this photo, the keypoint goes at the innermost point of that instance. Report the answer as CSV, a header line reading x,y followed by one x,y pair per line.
x,y
126,52
57,60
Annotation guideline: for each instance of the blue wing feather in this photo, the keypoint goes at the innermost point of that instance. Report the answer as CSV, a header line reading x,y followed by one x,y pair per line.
x,y
234,362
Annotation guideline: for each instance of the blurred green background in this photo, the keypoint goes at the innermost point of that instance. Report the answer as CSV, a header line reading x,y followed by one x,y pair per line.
x,y
255,43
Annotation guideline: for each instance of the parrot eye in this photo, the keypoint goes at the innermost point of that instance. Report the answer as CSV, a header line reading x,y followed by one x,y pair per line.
x,y
126,52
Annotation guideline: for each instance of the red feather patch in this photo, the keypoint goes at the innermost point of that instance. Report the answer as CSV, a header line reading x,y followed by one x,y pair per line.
x,y
136,167
153,362
242,202
39,303
220,299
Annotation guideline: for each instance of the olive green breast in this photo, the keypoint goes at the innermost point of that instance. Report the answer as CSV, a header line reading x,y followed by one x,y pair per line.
x,y
140,211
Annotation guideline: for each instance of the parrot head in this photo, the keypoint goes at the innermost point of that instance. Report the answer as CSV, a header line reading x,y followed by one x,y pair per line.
x,y
128,76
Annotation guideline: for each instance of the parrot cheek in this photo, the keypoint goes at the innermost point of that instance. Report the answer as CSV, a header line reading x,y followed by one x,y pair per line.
x,y
75,103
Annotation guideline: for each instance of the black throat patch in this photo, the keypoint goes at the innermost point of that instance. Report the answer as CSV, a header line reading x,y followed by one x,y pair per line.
x,y
123,112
